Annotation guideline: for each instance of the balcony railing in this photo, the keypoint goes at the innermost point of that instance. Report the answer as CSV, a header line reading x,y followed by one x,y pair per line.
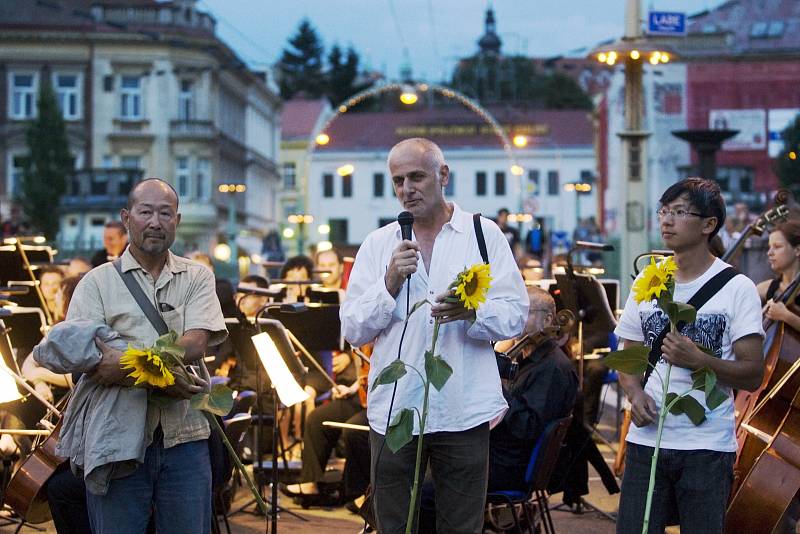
x,y
166,15
192,128
99,188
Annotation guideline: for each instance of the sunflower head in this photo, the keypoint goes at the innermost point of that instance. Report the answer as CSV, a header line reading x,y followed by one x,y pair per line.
x,y
472,284
655,280
147,367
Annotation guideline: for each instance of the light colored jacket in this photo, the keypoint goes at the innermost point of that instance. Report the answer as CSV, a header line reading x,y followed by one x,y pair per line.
x,y
103,427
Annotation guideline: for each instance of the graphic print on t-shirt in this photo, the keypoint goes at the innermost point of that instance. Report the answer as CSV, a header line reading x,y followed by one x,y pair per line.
x,y
707,329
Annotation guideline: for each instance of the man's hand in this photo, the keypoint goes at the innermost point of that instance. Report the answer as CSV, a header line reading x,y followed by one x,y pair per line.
x,y
402,264
643,409
679,350
450,311
109,372
340,362
182,389
344,392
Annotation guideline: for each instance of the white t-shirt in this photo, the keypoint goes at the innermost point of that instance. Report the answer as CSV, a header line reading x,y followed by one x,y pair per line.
x,y
731,314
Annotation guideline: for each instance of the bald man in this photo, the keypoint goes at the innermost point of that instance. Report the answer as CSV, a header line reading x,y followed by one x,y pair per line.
x,y
390,274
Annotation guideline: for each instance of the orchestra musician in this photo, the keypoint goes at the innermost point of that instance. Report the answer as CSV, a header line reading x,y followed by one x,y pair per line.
x,y
543,390
695,463
50,278
115,239
784,260
457,436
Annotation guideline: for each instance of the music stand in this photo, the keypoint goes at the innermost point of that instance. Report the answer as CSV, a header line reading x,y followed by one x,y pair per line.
x,y
278,358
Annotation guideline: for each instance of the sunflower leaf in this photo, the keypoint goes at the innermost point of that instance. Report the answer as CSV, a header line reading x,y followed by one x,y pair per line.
x,y
676,408
391,373
219,401
437,370
631,360
715,398
401,431
693,409
416,306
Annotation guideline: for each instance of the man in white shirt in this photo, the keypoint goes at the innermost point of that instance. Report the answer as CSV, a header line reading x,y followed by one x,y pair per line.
x,y
377,301
695,463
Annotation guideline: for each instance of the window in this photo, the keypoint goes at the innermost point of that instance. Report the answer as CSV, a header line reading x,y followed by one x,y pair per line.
x,y
16,167
108,161
347,185
480,184
23,95
533,181
758,29
98,183
203,179
587,177
552,183
327,185
130,162
289,175
185,101
377,184
130,98
68,93
775,28
182,177
500,184
450,188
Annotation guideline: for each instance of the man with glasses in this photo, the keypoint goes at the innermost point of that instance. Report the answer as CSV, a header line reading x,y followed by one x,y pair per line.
x,y
695,463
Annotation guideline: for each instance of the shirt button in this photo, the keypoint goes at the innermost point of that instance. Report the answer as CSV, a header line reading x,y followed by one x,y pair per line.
x,y
430,322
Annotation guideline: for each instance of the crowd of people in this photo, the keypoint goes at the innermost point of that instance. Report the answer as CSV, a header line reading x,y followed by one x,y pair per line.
x,y
481,427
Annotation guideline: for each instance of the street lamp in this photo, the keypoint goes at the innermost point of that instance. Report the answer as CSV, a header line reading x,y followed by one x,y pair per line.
x,y
301,220
632,50
231,190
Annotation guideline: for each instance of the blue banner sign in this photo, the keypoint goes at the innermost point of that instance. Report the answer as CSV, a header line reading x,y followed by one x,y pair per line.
x,y
666,23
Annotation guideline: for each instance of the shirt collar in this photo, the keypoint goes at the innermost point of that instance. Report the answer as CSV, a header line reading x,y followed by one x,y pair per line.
x,y
129,263
459,220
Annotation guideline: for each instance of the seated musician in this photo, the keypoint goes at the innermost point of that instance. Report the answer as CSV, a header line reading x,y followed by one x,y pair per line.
x,y
296,269
784,260
248,306
542,391
50,278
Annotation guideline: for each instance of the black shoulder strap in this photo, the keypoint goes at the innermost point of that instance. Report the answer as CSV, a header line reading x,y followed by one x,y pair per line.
x,y
698,300
141,299
476,220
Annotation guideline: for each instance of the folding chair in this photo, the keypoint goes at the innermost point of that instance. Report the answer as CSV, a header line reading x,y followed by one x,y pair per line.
x,y
537,475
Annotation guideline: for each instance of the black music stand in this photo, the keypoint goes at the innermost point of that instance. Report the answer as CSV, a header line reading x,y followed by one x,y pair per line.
x,y
241,333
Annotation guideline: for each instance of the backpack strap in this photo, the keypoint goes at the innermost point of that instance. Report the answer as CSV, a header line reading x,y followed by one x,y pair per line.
x,y
698,300
476,221
141,299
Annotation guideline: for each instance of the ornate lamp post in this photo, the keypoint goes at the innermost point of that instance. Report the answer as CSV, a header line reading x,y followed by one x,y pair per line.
x,y
633,50
301,220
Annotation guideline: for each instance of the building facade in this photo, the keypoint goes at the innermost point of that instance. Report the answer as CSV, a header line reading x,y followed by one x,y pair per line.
x,y
350,190
147,86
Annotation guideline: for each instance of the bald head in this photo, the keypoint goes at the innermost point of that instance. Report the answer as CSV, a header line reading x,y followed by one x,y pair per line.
x,y
152,185
428,152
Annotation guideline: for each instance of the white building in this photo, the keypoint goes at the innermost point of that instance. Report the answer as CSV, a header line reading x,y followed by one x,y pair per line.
x,y
559,152
143,85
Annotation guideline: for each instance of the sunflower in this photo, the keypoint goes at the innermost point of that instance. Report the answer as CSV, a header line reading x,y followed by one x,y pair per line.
x,y
148,367
656,278
471,285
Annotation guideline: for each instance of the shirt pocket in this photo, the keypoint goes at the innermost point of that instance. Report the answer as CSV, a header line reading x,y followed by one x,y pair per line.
x,y
175,319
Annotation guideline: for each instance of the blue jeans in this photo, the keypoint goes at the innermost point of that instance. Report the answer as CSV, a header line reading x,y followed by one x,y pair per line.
x,y
175,482
692,486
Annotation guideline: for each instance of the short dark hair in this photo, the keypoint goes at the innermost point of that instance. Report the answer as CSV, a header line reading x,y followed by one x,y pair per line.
x,y
256,280
502,211
339,257
298,262
703,194
118,225
132,194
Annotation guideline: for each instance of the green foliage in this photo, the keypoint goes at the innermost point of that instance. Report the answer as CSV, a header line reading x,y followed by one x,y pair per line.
x,y
788,169
219,401
631,360
688,405
513,79
342,75
48,165
678,312
300,66
167,346
437,370
401,430
391,373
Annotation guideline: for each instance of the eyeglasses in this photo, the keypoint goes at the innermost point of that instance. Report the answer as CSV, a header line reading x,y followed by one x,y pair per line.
x,y
679,213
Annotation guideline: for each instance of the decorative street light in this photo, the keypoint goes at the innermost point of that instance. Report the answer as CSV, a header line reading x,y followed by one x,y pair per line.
x,y
632,50
301,220
231,190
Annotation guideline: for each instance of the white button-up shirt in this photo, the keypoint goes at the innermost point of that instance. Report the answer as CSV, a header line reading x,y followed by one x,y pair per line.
x,y
473,394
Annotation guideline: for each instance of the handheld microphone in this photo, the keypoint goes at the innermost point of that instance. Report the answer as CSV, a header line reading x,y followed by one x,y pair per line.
x,y
406,221
593,246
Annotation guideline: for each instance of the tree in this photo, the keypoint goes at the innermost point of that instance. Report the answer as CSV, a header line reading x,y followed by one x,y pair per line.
x,y
562,92
300,66
787,165
49,163
342,74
